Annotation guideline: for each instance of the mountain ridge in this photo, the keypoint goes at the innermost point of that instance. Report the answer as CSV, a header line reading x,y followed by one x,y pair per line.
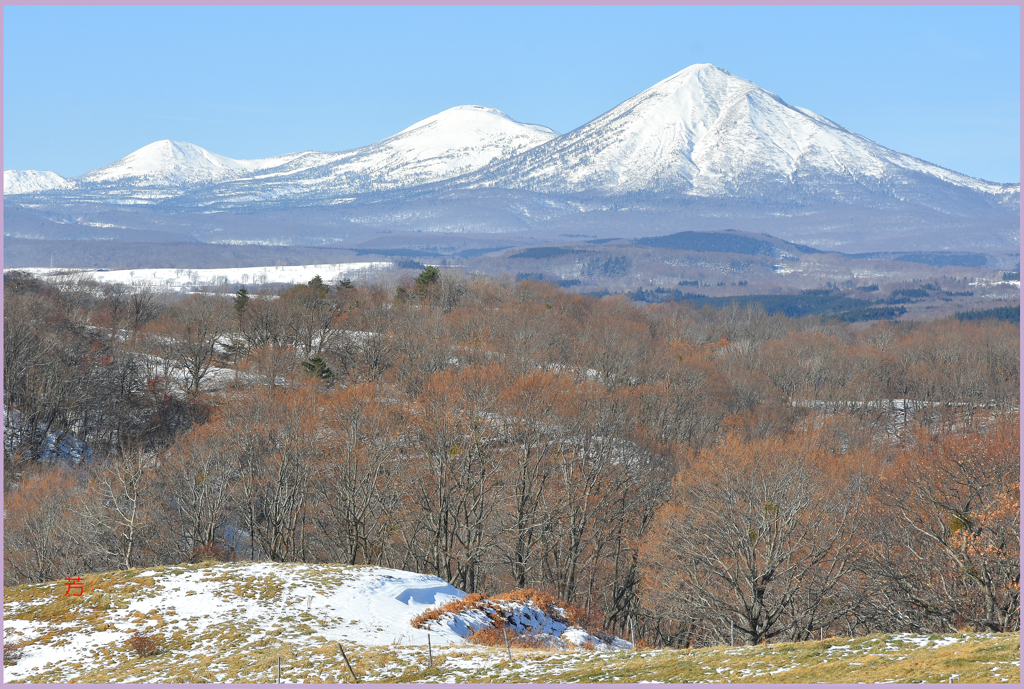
x,y
438,147
702,143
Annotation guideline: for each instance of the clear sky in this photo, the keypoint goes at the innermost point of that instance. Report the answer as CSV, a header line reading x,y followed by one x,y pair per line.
x,y
84,86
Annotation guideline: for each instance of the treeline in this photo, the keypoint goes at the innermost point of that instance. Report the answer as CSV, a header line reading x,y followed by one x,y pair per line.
x,y
827,304
695,470
1010,314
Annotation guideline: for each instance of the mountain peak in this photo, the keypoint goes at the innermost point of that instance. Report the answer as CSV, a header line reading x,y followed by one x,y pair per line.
x,y
168,163
469,117
704,76
30,181
706,132
165,162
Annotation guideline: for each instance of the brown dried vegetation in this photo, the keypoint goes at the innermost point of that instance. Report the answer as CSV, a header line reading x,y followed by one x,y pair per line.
x,y
13,652
516,437
143,645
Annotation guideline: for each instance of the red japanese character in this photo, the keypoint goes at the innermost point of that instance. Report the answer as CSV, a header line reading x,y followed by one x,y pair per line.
x,y
75,583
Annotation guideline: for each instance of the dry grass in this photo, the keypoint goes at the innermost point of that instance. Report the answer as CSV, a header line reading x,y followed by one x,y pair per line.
x,y
473,601
500,635
558,610
499,611
974,659
233,650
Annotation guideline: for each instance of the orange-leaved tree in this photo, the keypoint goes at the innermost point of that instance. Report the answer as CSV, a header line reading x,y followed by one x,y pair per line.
x,y
758,536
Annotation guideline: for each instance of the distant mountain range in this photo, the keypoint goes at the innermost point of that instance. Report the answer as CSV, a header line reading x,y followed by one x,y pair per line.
x,y
700,150
449,144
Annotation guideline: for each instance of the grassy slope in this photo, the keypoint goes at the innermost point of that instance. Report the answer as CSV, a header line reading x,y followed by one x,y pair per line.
x,y
231,652
880,658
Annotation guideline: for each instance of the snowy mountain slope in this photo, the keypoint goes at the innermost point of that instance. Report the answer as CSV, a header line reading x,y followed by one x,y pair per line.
x,y
706,132
446,145
224,621
30,181
700,132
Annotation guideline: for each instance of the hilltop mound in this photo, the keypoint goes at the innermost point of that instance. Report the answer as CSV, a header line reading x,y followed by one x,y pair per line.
x,y
229,622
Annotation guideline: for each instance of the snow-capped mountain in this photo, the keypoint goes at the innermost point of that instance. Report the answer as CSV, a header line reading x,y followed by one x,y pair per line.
x,y
174,163
446,145
701,146
706,132
701,132
31,181
451,143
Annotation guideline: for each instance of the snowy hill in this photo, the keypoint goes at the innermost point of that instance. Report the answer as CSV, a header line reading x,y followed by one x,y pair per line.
x,y
216,618
175,163
451,143
31,181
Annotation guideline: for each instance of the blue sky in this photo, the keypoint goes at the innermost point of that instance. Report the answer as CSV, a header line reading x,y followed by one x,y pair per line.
x,y
84,86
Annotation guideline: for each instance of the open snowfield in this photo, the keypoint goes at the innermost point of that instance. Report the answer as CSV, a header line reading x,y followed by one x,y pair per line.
x,y
187,278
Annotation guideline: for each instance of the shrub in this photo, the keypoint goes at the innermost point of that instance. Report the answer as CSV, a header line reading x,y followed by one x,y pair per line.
x,y
12,652
559,611
143,645
212,553
470,602
498,610
495,636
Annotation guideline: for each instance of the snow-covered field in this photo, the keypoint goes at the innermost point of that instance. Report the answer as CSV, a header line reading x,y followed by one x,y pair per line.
x,y
205,613
186,278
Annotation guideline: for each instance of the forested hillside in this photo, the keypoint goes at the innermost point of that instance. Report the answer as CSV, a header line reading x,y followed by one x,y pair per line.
x,y
700,472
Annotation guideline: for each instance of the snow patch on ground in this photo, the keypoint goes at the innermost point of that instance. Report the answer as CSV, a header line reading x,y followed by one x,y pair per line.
x,y
186,278
368,606
524,619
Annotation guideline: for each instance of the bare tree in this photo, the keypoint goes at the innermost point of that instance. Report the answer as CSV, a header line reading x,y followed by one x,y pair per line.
x,y
193,328
459,485
120,506
757,535
44,538
948,533
198,474
354,485
531,440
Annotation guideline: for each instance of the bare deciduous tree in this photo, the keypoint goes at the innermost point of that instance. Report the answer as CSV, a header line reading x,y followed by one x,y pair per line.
x,y
756,535
193,329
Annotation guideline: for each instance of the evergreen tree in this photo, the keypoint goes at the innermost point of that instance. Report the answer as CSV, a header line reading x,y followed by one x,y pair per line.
x,y
236,349
427,279
241,301
320,289
318,368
